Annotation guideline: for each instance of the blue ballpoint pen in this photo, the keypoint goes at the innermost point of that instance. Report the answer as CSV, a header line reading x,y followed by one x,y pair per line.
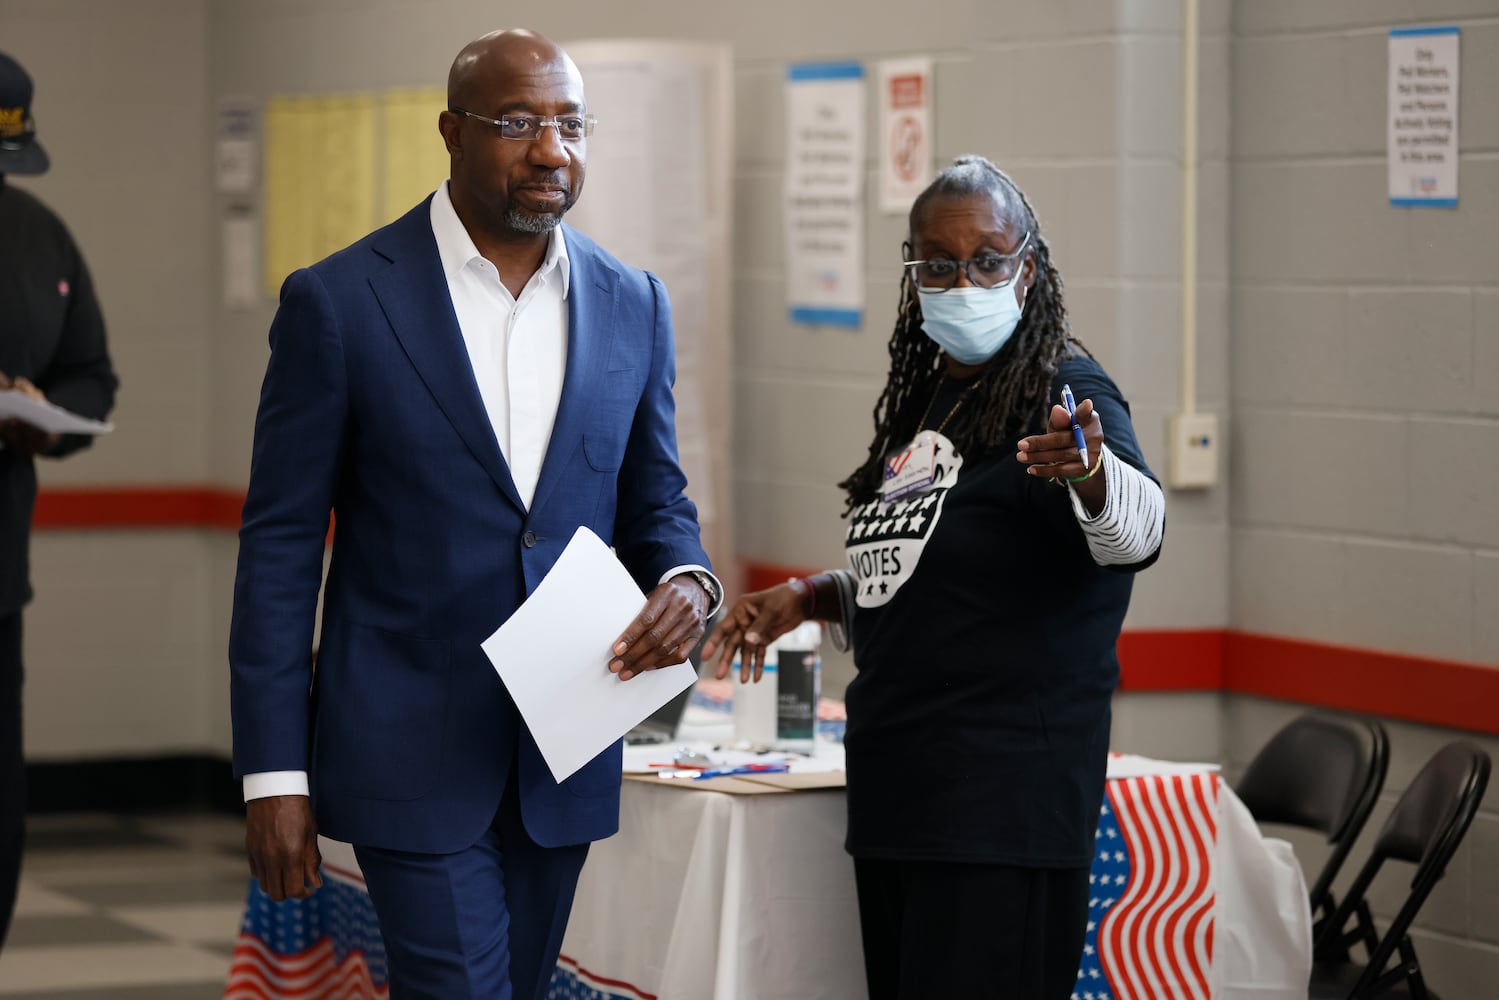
x,y
1077,432
724,772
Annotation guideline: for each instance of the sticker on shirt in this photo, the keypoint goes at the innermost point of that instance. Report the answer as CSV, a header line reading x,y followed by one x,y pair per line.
x,y
910,470
884,540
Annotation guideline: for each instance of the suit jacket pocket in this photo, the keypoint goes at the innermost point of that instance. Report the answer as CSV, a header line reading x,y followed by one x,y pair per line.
x,y
381,725
599,776
608,429
605,450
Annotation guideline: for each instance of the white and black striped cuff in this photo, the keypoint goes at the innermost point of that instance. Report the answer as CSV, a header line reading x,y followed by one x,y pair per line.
x,y
1132,523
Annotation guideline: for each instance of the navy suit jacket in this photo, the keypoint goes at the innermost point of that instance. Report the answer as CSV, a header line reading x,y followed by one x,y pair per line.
x,y
370,410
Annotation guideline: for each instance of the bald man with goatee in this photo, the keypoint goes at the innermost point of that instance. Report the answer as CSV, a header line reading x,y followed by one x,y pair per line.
x,y
462,390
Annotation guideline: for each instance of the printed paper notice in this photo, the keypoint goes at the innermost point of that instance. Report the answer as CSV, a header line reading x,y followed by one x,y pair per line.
x,y
241,290
235,150
319,180
905,138
825,193
1422,146
415,159
553,655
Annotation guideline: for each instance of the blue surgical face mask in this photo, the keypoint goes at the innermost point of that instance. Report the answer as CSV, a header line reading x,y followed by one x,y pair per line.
x,y
971,324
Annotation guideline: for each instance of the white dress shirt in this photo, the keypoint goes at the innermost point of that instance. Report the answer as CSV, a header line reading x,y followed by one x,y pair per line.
x,y
517,348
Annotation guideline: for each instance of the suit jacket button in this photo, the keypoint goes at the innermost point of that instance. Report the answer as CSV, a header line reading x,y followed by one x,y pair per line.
x,y
529,539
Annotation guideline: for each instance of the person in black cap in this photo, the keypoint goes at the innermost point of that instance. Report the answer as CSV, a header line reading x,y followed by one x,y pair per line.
x,y
51,347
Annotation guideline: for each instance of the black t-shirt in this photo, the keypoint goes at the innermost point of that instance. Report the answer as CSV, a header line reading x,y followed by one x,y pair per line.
x,y
52,334
978,723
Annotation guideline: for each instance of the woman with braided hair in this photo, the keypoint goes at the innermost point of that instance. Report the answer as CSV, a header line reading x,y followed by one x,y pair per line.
x,y
991,555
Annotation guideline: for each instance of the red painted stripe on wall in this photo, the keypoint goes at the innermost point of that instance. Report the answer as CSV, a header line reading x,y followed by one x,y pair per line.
x,y
1398,686
123,507
1172,660
1394,685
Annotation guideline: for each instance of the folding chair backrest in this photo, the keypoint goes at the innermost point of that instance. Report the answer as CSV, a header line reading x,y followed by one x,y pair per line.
x,y
1432,816
1321,774
1425,828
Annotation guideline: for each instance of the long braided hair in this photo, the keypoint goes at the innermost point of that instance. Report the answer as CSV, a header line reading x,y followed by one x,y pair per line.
x,y
1011,394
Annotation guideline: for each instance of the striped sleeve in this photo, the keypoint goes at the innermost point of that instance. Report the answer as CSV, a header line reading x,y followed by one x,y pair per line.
x,y
1129,528
841,628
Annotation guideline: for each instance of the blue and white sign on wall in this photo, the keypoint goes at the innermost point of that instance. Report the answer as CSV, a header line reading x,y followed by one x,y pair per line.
x,y
824,196
1423,117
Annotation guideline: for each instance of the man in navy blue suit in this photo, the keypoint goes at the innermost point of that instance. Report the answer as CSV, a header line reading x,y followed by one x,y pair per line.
x,y
462,389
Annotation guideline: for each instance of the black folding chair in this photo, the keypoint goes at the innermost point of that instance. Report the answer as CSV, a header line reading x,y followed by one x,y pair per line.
x,y
1321,774
1425,829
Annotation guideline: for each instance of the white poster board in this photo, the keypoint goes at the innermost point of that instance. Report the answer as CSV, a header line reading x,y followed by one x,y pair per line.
x,y
1422,147
662,201
905,139
824,197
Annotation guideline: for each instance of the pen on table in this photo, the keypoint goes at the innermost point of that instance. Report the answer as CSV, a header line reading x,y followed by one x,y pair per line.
x,y
723,772
1077,431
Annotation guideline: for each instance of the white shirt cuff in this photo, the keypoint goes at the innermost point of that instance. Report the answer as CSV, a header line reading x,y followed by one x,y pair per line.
x,y
264,784
715,597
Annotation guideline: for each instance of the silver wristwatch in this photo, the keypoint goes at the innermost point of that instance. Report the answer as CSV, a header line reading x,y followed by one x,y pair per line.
x,y
709,585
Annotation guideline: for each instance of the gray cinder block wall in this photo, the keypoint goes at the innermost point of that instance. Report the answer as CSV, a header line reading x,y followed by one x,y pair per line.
x,y
1358,387
1365,398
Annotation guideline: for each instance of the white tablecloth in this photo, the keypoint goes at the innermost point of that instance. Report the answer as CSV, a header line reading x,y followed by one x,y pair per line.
x,y
706,895
751,897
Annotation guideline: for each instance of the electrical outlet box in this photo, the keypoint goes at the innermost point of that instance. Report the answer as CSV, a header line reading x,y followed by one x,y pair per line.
x,y
1194,447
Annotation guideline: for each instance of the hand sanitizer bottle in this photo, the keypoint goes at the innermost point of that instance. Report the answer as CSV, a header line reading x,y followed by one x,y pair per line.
x,y
755,706
798,688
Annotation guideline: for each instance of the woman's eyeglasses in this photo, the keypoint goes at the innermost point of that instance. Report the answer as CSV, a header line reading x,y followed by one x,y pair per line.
x,y
987,270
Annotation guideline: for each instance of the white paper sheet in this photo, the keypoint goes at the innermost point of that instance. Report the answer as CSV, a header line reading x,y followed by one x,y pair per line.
x,y
554,652
47,417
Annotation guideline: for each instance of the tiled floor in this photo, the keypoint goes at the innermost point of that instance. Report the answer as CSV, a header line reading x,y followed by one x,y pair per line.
x,y
126,908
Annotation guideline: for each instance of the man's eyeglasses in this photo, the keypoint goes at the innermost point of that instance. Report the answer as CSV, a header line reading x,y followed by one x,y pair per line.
x,y
984,271
570,128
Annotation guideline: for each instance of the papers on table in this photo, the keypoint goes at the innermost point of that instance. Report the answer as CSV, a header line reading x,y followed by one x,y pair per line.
x,y
553,655
822,770
45,416
638,759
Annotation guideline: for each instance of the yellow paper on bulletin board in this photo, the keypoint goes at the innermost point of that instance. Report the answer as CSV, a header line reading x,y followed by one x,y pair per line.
x,y
319,179
415,159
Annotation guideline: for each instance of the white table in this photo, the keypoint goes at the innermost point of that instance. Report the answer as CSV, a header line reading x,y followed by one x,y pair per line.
x,y
751,897
706,895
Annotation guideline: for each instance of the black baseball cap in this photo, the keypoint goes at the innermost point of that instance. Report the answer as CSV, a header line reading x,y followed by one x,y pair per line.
x,y
20,153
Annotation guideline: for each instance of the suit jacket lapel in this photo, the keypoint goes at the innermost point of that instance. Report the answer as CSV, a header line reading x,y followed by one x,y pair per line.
x,y
413,292
591,302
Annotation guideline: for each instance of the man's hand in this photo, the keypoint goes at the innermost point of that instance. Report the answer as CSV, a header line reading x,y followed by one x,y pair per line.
x,y
19,437
673,620
281,839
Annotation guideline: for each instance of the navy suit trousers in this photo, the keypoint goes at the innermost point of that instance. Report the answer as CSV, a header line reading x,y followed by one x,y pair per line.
x,y
447,918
